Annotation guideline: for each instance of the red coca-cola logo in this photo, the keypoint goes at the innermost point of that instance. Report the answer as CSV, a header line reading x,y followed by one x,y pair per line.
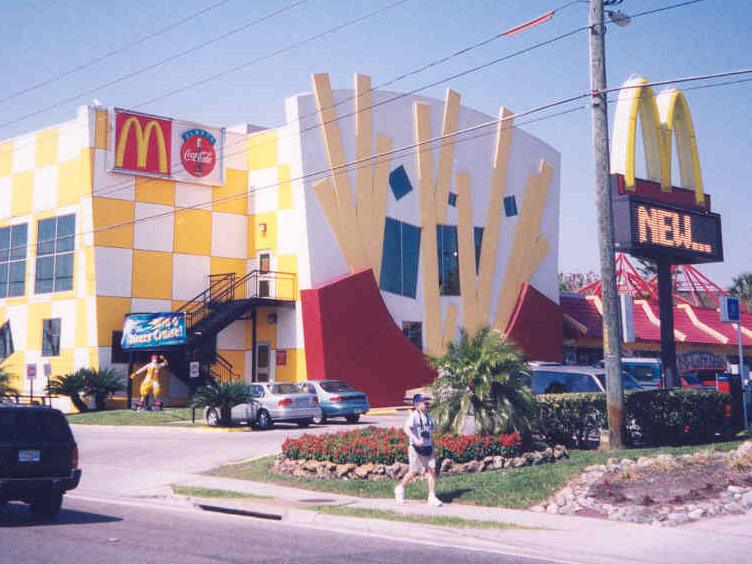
x,y
197,153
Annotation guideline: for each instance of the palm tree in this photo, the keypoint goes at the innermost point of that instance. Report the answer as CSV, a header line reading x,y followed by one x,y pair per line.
x,y
100,384
742,286
222,396
71,385
5,386
483,378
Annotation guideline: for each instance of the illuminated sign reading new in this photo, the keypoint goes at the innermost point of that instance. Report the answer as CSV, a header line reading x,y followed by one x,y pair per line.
x,y
684,234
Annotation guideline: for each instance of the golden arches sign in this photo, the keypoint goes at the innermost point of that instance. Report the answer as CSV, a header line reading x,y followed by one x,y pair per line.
x,y
662,118
143,137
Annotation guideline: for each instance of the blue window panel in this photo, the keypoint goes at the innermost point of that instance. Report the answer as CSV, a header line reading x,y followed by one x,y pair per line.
x,y
452,199
410,255
399,182
448,258
391,269
399,262
478,236
510,206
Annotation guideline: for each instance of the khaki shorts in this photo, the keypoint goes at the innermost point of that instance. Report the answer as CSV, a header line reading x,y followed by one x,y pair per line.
x,y
418,463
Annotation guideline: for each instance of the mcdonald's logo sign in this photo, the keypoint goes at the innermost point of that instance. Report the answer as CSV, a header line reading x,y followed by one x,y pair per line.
x,y
662,118
143,144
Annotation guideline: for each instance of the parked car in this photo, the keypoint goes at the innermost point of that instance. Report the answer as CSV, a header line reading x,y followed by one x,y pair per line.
x,y
38,458
560,379
336,399
272,403
649,373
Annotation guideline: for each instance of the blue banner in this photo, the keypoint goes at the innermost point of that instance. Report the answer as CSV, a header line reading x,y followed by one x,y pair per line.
x,y
153,330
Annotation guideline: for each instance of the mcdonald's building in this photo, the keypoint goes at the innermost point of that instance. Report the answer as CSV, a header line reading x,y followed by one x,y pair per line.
x,y
349,243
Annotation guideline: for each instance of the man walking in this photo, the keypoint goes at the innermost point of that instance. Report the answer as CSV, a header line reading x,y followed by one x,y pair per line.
x,y
419,428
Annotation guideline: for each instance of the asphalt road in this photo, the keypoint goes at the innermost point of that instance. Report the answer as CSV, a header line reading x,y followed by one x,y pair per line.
x,y
89,531
129,461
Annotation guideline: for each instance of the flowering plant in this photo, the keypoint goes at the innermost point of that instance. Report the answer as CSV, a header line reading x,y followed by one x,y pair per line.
x,y
387,446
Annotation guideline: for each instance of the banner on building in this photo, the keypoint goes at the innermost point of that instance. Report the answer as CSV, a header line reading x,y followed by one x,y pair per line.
x,y
168,148
153,330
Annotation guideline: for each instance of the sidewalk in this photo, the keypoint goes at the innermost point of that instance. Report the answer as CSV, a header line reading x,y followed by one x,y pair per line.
x,y
552,537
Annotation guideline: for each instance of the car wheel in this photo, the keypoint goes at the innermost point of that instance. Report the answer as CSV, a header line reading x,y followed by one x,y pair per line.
x,y
212,418
352,418
305,422
321,419
264,420
47,508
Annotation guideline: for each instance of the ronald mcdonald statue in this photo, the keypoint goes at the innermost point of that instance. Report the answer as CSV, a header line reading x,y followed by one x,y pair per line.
x,y
150,384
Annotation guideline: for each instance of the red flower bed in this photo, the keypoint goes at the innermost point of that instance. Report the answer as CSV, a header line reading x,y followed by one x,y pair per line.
x,y
387,446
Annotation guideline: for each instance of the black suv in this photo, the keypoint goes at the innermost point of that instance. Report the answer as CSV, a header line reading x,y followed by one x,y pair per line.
x,y
38,458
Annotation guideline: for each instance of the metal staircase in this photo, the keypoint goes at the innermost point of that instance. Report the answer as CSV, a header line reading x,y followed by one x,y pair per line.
x,y
228,298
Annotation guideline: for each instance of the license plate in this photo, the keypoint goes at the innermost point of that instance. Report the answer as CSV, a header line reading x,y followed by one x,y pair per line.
x,y
28,456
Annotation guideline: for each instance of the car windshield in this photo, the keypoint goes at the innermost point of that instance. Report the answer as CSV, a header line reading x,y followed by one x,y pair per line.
x,y
33,425
284,389
627,382
335,386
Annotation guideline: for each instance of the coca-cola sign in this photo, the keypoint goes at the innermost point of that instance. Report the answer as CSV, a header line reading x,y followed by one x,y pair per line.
x,y
197,153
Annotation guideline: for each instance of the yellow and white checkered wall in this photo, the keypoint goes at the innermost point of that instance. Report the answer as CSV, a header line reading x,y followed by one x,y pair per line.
x,y
144,244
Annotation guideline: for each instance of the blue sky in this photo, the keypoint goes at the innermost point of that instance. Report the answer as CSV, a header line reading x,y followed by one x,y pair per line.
x,y
42,39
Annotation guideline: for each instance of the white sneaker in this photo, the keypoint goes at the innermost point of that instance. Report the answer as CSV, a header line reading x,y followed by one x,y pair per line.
x,y
433,500
399,494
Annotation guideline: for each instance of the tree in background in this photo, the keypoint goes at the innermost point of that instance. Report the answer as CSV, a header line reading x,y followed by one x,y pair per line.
x,y
483,378
573,281
742,286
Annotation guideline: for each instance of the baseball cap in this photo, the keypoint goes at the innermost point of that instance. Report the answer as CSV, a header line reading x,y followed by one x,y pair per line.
x,y
420,397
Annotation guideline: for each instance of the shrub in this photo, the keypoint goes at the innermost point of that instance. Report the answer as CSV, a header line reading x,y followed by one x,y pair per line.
x,y
668,416
570,419
5,386
387,446
100,384
223,396
653,417
71,385
480,378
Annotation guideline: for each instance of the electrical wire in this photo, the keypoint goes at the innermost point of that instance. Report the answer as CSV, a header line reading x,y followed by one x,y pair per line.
x,y
109,54
154,65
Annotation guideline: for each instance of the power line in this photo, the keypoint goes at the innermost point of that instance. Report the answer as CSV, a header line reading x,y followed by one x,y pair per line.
x,y
366,161
109,54
154,65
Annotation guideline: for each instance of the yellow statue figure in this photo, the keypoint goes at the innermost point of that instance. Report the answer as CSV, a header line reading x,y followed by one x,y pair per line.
x,y
150,384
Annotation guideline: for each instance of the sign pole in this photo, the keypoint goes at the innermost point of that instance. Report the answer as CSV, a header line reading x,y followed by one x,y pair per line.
x,y
666,311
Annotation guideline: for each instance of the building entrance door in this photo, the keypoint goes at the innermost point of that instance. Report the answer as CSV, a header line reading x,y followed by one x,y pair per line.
x,y
264,366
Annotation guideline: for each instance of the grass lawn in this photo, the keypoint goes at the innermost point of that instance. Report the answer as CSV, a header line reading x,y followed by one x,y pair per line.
x,y
214,493
514,488
444,521
171,416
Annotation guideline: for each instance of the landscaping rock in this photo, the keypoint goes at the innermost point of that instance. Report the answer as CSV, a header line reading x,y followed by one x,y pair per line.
x,y
498,462
560,451
363,471
343,470
696,514
746,500
677,518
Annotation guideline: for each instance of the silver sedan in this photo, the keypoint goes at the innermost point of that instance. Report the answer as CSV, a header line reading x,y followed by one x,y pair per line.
x,y
271,403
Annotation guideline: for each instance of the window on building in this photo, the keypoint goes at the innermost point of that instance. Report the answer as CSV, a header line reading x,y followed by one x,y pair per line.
x,y
449,265
55,242
413,330
117,354
6,341
13,241
510,206
265,260
399,262
478,236
51,337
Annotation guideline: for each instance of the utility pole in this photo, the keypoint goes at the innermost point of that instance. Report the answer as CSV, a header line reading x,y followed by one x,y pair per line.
x,y
609,294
